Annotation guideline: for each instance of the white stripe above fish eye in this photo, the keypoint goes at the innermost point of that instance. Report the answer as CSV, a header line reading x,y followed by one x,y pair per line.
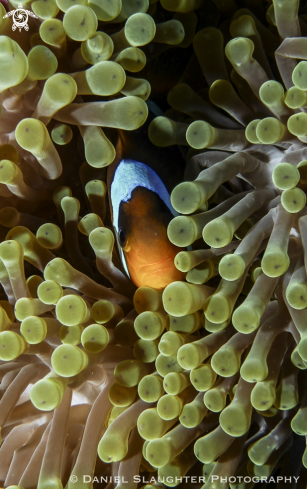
x,y
131,174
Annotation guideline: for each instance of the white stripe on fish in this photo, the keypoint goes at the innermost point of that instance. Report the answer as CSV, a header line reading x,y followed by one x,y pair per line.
x,y
131,174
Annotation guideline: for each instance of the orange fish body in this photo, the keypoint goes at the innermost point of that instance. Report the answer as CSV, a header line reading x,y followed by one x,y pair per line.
x,y
141,210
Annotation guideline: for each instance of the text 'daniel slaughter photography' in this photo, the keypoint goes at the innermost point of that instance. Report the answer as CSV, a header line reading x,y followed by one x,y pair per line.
x,y
153,244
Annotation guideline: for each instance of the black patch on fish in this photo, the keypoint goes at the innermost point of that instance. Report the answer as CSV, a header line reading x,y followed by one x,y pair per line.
x,y
168,162
157,207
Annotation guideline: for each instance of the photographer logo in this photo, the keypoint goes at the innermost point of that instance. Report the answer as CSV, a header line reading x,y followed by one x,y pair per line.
x,y
20,18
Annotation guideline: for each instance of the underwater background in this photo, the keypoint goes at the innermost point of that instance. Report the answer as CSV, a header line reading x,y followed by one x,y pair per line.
x,y
153,244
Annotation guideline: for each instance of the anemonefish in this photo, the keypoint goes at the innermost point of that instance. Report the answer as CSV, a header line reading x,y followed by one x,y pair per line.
x,y
140,181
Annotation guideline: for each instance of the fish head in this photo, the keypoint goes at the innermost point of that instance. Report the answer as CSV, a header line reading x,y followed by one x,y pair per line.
x,y
142,236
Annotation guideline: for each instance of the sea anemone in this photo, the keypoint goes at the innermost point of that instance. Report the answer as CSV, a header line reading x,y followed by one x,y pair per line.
x,y
243,206
104,383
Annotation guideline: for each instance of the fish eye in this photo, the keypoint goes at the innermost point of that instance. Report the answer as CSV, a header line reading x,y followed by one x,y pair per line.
x,y
122,237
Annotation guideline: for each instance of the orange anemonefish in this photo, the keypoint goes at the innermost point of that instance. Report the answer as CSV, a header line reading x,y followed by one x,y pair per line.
x,y
140,181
